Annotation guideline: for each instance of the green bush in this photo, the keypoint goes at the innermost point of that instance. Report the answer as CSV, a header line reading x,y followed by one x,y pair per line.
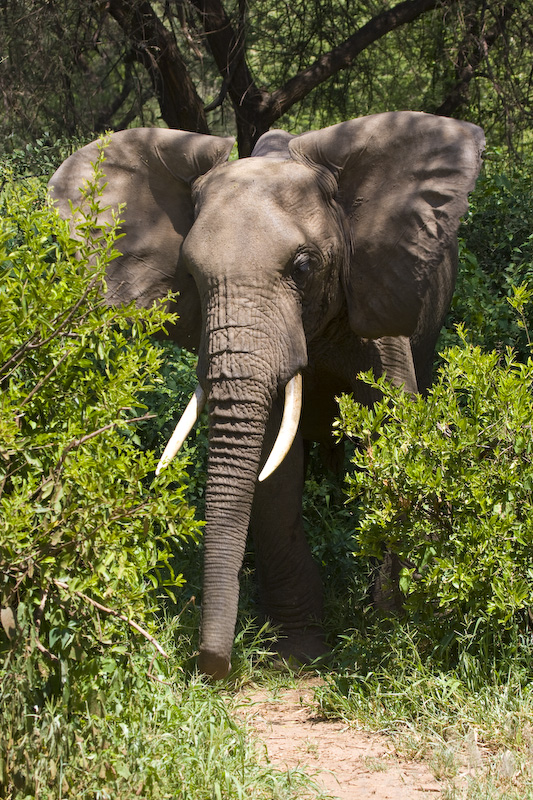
x,y
86,534
446,483
496,258
97,699
38,158
77,503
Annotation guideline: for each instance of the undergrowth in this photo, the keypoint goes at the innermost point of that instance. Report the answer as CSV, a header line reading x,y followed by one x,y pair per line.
x,y
132,724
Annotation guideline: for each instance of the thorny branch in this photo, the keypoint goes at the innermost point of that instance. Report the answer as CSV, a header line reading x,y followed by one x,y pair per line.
x,y
106,610
89,436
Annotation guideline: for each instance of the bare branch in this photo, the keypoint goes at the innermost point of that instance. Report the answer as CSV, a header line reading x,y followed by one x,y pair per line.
x,y
106,610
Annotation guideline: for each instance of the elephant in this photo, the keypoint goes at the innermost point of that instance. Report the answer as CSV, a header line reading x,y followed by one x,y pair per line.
x,y
321,256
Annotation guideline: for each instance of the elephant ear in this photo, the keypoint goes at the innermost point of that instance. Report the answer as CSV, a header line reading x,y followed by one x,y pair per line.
x,y
403,183
151,171
273,144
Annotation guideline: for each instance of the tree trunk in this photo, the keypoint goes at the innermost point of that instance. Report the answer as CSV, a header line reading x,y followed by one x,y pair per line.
x,y
155,47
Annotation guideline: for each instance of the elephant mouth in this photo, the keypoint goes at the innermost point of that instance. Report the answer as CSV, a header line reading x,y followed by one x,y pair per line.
x,y
282,445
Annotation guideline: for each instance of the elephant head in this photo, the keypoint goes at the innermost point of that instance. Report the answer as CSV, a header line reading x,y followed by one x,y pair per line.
x,y
307,257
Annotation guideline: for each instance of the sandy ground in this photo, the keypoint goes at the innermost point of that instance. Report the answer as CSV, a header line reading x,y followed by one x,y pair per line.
x,y
345,763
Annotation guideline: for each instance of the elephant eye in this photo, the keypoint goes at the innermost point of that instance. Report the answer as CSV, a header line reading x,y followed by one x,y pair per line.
x,y
301,266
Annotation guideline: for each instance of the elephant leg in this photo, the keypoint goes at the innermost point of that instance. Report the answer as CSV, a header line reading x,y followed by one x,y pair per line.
x,y
394,358
386,594
290,587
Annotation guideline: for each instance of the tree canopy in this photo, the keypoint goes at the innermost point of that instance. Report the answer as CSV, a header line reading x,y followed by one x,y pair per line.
x,y
242,66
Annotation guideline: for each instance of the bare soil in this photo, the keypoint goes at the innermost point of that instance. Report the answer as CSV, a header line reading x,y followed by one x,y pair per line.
x,y
345,763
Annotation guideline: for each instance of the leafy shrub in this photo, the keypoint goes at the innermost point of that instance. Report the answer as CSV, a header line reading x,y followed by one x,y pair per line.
x,y
38,158
86,535
145,729
496,258
446,483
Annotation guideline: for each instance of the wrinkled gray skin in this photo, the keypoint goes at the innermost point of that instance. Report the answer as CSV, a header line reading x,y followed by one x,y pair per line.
x,y
331,252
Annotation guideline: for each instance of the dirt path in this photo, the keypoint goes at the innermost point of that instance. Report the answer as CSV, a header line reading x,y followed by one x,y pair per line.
x,y
345,763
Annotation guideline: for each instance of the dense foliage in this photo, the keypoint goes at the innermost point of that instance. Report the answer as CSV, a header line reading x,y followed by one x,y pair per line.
x,y
75,68
74,491
446,484
496,260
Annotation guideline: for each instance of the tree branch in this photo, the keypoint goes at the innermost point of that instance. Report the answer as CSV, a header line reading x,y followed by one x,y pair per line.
x,y
114,613
34,342
227,47
256,110
342,57
103,121
155,47
92,434
41,383
472,53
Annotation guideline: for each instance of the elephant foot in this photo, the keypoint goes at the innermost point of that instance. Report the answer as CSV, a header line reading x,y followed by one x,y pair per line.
x,y
213,665
301,649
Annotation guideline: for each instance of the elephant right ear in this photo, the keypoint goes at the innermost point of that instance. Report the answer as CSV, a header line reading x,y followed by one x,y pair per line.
x,y
403,181
151,171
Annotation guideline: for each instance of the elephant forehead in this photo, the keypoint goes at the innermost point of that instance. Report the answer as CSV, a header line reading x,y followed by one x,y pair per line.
x,y
263,181
256,207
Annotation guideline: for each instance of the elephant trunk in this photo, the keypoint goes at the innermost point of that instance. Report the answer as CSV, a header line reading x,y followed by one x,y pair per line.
x,y
242,365
236,432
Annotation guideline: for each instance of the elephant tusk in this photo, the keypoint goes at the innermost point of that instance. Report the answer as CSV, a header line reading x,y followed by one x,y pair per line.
x,y
288,428
183,428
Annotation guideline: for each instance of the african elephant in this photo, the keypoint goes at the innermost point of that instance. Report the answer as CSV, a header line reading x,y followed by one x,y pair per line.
x,y
320,256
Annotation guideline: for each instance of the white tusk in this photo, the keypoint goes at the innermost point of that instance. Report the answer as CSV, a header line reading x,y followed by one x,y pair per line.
x,y
183,428
288,427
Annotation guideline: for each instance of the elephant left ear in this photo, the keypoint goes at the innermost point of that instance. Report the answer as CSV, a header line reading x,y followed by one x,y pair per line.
x,y
403,182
